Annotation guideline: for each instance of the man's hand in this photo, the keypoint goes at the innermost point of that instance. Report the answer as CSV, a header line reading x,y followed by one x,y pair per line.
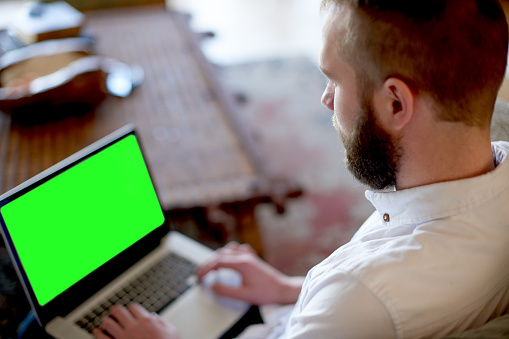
x,y
261,283
135,322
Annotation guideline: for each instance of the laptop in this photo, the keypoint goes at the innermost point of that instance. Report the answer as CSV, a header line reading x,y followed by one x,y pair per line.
x,y
89,232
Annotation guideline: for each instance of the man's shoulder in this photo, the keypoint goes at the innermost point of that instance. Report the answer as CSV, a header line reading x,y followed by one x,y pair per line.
x,y
432,277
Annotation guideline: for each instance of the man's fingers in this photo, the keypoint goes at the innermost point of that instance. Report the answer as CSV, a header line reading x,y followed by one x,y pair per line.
x,y
138,311
236,248
99,334
246,248
227,251
234,262
112,327
122,315
232,256
233,245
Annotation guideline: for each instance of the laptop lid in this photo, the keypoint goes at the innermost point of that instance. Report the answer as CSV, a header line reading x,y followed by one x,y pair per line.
x,y
76,226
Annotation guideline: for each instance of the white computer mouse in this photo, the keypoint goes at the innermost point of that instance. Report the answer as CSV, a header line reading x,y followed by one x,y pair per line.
x,y
228,277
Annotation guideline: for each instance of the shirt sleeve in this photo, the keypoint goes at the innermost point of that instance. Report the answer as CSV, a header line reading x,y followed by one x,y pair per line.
x,y
340,307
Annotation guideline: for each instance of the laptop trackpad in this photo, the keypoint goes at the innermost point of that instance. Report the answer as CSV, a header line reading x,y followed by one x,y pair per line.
x,y
196,314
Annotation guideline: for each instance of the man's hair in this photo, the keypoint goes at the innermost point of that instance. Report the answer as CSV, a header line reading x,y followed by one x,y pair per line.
x,y
453,50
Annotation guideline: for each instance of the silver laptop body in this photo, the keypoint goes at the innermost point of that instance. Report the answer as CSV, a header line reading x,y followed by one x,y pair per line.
x,y
62,284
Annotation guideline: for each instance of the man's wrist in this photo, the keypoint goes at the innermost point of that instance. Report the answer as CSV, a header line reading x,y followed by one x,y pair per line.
x,y
290,289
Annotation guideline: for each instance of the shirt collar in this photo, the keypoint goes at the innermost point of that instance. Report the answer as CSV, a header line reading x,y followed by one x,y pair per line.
x,y
425,203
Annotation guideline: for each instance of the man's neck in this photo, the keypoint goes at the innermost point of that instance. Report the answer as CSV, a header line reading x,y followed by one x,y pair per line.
x,y
441,158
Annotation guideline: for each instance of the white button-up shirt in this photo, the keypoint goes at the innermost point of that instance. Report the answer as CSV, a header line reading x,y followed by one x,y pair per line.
x,y
430,261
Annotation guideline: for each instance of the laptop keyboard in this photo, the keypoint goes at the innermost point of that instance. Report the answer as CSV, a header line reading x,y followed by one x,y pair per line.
x,y
155,289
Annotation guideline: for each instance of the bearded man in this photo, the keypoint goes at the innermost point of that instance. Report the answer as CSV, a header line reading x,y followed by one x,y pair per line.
x,y
412,86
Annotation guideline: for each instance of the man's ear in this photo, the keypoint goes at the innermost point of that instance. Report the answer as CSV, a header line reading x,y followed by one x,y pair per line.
x,y
395,104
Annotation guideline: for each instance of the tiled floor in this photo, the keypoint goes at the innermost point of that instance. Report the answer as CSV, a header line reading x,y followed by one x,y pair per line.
x,y
248,30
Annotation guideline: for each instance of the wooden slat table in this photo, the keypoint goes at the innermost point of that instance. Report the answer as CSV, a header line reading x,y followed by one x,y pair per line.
x,y
199,152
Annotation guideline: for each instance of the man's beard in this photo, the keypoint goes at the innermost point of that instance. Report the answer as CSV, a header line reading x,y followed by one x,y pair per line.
x,y
372,155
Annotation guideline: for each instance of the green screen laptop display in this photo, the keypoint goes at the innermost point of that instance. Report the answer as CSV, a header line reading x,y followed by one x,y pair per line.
x,y
77,221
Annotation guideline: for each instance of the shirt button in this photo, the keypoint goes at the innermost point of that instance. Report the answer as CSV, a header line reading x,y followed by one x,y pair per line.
x,y
387,218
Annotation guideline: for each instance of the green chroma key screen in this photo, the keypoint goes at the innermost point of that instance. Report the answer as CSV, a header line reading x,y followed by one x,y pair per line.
x,y
83,217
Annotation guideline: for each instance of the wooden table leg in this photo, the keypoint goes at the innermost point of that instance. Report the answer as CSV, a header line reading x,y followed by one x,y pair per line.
x,y
247,228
